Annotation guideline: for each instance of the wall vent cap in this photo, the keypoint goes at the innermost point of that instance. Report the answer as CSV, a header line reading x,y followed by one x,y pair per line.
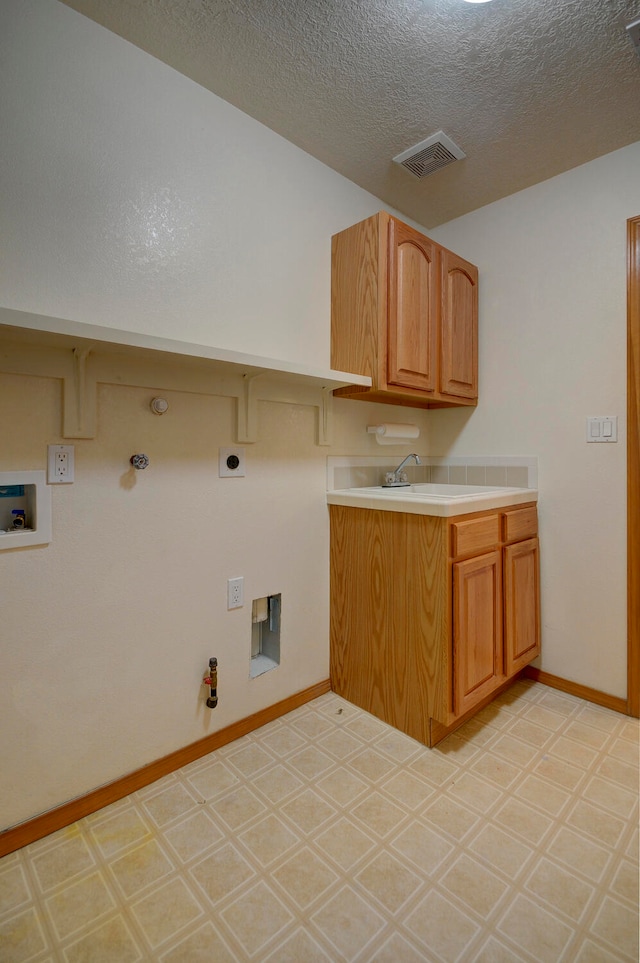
x,y
430,155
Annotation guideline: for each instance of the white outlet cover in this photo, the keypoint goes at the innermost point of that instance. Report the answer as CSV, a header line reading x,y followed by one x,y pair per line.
x,y
52,460
227,467
235,592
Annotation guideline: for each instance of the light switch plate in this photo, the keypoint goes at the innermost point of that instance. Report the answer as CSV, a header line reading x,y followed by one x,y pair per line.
x,y
602,428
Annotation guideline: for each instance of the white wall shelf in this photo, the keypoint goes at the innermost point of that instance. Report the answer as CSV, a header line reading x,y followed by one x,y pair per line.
x,y
70,350
62,330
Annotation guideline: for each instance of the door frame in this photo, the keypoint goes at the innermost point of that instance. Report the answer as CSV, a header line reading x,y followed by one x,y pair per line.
x,y
633,466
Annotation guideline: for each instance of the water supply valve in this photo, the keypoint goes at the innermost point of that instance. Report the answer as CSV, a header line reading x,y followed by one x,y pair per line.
x,y
212,681
19,519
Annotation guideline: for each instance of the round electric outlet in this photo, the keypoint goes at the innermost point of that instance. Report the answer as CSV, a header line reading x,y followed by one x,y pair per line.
x,y
231,462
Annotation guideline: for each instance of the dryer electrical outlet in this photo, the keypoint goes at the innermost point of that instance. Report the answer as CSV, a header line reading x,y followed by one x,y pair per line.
x,y
231,462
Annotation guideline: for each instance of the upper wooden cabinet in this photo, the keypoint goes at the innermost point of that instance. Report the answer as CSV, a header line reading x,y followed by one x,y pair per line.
x,y
412,309
404,311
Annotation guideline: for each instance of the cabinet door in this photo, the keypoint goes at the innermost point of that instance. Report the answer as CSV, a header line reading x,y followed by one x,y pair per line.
x,y
459,327
477,630
522,604
412,309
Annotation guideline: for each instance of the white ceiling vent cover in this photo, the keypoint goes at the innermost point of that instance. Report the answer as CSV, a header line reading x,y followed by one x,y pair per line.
x,y
633,29
430,155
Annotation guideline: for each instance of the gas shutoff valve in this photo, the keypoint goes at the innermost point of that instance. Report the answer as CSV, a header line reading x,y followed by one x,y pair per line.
x,y
212,681
139,461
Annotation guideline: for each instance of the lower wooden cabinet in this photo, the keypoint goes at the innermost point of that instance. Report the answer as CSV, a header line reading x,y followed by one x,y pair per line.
x,y
390,613
521,604
478,664
430,616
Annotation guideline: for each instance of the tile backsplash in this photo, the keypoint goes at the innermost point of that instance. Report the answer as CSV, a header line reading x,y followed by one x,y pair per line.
x,y
361,472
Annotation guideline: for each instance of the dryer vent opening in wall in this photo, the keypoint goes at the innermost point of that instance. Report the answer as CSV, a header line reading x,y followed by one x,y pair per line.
x,y
265,634
429,155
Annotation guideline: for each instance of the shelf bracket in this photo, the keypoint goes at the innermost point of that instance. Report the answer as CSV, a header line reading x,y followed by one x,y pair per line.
x,y
325,416
254,390
79,398
247,411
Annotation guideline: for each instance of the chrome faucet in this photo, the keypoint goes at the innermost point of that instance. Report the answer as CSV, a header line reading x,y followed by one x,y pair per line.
x,y
398,478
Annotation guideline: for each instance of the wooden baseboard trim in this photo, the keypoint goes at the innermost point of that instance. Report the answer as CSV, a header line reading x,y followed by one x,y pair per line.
x,y
575,689
55,819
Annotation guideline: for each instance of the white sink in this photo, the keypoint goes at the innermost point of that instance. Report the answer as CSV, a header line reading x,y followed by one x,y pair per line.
x,y
432,499
437,491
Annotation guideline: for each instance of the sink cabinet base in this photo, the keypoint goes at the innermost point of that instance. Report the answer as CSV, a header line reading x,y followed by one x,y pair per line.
x,y
424,631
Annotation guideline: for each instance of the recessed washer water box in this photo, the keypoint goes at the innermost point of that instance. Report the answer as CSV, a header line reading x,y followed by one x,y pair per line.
x,y
25,509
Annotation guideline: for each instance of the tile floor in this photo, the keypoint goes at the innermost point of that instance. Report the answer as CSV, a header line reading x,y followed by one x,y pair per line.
x,y
327,835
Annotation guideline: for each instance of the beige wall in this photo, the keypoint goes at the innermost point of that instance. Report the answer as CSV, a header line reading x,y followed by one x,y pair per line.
x,y
135,199
552,265
106,632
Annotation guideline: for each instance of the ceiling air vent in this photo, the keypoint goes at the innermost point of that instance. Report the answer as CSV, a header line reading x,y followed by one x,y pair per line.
x,y
633,29
430,155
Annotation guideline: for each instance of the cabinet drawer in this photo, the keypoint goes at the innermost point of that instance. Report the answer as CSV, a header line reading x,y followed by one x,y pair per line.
x,y
475,535
519,523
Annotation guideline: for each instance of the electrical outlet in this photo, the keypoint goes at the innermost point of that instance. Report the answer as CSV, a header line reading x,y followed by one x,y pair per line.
x,y
231,462
60,464
235,593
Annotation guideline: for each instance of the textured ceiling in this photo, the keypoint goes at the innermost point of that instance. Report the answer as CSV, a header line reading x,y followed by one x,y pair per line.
x,y
527,88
